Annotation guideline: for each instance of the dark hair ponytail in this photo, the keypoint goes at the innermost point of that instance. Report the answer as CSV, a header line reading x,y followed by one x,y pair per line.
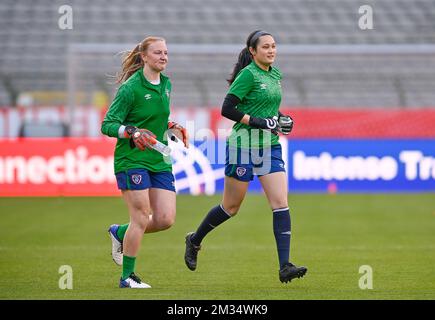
x,y
245,56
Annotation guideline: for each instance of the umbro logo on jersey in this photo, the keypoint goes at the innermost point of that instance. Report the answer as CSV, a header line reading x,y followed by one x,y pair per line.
x,y
147,96
167,93
263,86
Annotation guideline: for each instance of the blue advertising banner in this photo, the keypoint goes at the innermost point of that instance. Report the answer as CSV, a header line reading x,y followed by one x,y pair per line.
x,y
362,165
321,166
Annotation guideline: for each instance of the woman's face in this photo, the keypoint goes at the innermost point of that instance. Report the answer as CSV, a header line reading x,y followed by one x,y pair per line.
x,y
156,57
265,52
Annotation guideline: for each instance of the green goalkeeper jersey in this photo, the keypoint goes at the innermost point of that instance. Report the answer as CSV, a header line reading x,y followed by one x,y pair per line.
x,y
144,105
260,95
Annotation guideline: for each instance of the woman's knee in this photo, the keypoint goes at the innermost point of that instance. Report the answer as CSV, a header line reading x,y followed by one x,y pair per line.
x,y
164,221
278,204
234,193
140,217
231,209
139,223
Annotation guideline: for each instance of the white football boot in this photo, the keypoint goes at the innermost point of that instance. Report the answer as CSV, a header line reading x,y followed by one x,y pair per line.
x,y
116,244
134,282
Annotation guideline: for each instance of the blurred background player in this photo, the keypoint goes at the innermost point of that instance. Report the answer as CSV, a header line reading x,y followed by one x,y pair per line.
x,y
253,149
143,175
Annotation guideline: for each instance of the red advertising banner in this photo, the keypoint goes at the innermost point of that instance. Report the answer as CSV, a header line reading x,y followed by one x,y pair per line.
x,y
309,122
57,167
84,166
329,123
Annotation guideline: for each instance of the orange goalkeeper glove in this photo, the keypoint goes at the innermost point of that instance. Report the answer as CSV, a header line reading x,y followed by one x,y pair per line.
x,y
140,138
180,132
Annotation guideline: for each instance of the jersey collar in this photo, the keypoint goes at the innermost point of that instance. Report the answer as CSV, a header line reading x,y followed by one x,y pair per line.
x,y
148,84
257,66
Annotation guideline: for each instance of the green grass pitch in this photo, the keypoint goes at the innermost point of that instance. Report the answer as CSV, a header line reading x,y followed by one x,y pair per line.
x,y
333,235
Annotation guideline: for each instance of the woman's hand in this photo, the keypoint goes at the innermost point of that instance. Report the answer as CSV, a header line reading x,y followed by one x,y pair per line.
x,y
180,132
140,138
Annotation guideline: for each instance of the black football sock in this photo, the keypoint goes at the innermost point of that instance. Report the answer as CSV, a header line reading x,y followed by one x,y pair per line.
x,y
215,217
282,232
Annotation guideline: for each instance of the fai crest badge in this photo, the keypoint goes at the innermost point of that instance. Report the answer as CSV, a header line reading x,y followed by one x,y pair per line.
x,y
136,178
240,171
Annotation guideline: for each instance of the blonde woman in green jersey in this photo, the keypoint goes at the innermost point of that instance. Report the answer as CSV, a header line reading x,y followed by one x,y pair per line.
x,y
138,117
253,149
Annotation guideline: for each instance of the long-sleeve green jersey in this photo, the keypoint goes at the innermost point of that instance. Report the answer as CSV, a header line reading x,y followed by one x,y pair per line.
x,y
144,105
260,95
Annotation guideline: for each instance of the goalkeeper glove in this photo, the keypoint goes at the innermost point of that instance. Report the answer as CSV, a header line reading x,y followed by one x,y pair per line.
x,y
270,123
179,131
285,124
140,138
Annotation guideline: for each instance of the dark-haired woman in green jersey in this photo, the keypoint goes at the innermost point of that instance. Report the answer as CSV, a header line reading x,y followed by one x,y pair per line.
x,y
253,149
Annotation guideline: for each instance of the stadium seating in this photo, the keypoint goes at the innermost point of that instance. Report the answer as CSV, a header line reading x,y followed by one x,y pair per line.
x,y
33,48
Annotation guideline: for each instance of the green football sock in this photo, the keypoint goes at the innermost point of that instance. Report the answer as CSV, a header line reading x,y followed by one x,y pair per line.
x,y
121,231
127,266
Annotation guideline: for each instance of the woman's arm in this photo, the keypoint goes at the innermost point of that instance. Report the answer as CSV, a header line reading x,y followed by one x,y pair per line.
x,y
230,111
113,123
